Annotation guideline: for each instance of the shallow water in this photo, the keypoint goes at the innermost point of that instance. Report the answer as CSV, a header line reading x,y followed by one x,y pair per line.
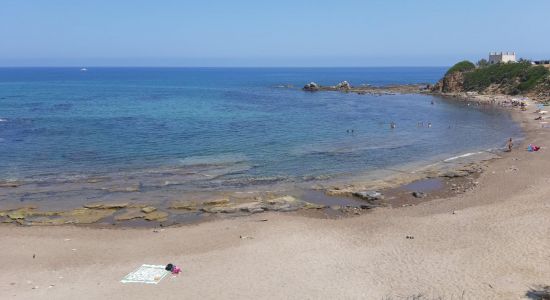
x,y
144,133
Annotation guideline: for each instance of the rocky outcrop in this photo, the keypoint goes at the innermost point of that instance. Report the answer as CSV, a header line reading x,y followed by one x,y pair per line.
x,y
314,87
366,89
542,90
281,204
344,85
122,212
311,87
451,83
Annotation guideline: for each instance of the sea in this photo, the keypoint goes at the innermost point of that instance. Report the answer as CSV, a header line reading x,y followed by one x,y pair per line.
x,y
70,136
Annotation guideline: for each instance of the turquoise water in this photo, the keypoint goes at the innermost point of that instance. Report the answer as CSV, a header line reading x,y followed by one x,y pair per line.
x,y
210,129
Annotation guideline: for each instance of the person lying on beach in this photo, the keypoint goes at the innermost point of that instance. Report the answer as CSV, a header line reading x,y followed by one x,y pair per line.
x,y
532,148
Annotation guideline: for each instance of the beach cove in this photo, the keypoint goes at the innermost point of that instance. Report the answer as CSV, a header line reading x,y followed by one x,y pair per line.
x,y
136,152
491,243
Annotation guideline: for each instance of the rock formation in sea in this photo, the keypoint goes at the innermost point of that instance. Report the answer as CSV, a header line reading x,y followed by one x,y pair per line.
x,y
312,87
344,85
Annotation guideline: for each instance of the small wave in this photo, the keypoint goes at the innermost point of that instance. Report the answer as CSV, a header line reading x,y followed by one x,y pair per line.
x,y
284,86
343,148
462,156
3,120
249,181
214,160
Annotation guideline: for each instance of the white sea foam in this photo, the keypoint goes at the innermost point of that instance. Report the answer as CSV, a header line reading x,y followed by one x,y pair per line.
x,y
3,120
462,156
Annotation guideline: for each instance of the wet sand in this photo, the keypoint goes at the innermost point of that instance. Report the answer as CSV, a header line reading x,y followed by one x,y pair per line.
x,y
489,242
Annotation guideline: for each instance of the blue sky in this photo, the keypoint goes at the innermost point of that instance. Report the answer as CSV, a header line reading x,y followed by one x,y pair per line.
x,y
262,33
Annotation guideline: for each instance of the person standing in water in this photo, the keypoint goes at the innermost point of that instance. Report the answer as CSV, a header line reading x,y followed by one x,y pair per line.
x,y
510,144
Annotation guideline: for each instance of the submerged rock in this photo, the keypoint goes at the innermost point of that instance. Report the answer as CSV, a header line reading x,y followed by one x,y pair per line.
x,y
369,195
419,194
252,207
10,184
219,209
106,205
86,215
130,215
156,216
125,189
18,214
454,174
24,212
148,209
44,221
221,201
309,205
368,206
185,205
286,203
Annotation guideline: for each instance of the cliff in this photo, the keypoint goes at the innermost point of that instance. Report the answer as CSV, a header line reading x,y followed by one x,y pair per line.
x,y
451,83
508,79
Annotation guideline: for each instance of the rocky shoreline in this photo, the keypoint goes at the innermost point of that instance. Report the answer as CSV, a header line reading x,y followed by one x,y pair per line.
x,y
448,87
388,193
366,89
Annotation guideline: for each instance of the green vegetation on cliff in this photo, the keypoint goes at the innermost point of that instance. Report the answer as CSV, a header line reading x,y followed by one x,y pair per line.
x,y
505,78
462,66
517,77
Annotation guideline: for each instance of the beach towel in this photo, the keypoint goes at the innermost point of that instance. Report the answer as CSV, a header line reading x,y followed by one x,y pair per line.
x,y
151,274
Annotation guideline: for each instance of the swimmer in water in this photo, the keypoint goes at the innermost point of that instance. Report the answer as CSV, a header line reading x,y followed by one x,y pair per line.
x,y
393,125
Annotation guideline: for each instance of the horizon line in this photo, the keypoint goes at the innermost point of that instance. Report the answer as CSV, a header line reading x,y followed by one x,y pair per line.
x,y
219,67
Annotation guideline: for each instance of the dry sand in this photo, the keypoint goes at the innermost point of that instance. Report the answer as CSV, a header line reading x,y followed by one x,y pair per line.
x,y
496,245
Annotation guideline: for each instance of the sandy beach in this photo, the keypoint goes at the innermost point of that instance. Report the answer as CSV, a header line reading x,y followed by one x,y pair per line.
x,y
490,243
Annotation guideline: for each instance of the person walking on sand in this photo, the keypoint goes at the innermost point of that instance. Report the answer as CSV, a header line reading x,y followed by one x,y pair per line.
x,y
510,144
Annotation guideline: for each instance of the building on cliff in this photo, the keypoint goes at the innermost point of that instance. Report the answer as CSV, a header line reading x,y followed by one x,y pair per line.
x,y
502,57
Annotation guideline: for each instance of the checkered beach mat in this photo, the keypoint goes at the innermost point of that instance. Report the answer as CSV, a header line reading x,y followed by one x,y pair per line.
x,y
151,274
